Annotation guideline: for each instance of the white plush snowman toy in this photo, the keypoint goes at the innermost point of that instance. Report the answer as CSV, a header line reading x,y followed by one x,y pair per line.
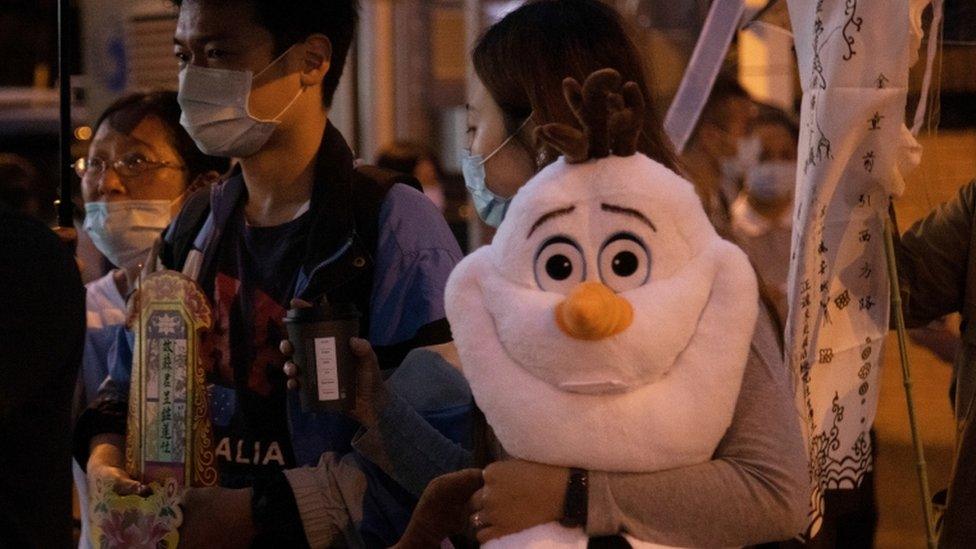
x,y
607,326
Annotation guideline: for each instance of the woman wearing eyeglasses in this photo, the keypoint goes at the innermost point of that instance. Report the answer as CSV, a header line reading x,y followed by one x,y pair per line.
x,y
139,169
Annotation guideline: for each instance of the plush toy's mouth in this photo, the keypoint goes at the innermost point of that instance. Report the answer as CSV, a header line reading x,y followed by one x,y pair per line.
x,y
595,387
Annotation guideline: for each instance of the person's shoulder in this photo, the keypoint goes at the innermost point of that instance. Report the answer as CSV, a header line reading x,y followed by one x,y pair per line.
x,y
967,194
414,222
33,258
946,222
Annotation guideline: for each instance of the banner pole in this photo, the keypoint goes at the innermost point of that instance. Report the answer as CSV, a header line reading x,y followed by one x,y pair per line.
x,y
65,205
920,465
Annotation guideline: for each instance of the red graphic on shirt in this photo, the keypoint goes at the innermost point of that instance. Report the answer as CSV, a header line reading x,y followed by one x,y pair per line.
x,y
267,331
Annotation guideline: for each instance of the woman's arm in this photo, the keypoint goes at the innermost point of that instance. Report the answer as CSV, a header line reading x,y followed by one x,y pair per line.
x,y
107,414
756,489
403,443
933,258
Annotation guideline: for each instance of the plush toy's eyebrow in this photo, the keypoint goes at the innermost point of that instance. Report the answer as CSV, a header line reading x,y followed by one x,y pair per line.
x,y
630,212
550,215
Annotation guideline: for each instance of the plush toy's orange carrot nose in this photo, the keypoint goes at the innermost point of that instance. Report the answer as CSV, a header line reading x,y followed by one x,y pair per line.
x,y
592,312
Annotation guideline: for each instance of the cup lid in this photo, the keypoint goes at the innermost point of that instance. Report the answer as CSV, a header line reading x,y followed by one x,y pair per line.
x,y
322,310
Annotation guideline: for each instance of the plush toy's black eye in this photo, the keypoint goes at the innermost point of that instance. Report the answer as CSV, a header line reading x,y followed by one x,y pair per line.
x,y
625,262
559,265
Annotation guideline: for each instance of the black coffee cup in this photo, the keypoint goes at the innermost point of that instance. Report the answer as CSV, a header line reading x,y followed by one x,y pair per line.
x,y
320,337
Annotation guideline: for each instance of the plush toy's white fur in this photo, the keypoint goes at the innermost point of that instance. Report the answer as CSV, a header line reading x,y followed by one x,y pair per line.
x,y
658,395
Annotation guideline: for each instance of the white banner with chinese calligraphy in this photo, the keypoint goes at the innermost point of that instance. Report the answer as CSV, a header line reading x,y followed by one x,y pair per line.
x,y
854,148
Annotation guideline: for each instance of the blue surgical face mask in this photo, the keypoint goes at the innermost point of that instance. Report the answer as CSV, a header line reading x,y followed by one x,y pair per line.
x,y
491,208
125,231
771,182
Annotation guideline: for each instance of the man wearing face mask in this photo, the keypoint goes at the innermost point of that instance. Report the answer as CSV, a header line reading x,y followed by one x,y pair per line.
x,y
294,220
140,166
762,215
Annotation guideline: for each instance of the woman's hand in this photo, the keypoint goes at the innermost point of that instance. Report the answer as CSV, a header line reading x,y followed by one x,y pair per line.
x,y
105,465
122,483
518,495
371,395
442,511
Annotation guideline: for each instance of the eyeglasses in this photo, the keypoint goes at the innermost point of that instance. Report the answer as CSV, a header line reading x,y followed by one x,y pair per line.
x,y
131,165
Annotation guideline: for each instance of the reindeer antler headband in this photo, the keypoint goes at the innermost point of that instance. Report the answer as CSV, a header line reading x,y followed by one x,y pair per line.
x,y
610,114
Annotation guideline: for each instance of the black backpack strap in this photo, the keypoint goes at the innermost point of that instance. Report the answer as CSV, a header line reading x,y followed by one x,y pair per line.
x,y
179,236
371,187
387,178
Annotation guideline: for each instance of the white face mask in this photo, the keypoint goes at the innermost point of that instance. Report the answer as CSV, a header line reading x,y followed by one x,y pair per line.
x,y
215,110
125,231
771,182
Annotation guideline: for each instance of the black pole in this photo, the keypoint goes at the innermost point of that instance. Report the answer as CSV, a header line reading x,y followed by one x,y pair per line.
x,y
65,206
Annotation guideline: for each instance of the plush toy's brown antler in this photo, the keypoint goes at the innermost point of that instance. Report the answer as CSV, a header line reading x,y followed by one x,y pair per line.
x,y
626,120
610,115
598,92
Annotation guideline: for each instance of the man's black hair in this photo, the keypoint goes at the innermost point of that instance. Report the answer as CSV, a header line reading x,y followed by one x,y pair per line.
x,y
292,21
127,112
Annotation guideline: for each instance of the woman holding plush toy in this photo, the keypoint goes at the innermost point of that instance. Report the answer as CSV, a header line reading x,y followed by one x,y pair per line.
x,y
691,418
754,489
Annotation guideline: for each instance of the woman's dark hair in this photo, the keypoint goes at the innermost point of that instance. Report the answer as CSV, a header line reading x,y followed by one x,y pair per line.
x,y
292,21
127,112
523,59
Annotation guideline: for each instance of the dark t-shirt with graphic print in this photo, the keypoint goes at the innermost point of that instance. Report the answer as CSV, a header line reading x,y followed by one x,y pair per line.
x,y
256,275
